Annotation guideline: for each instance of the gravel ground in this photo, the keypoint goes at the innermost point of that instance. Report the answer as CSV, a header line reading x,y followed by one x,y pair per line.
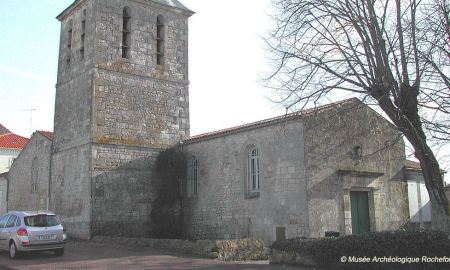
x,y
88,255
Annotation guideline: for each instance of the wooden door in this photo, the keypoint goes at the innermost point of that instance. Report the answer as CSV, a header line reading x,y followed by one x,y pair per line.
x,y
360,211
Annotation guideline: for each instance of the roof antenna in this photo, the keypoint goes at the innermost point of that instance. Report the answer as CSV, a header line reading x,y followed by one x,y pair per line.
x,y
31,118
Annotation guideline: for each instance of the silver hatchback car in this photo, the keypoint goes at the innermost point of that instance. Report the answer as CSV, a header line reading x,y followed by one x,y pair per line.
x,y
31,231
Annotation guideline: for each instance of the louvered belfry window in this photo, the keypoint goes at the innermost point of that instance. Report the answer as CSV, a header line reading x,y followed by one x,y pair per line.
x,y
126,33
160,40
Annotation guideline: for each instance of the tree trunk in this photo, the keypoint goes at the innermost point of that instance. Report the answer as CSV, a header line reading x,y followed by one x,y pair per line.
x,y
407,119
439,219
435,186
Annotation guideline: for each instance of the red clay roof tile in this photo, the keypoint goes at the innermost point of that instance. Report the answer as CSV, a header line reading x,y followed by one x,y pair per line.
x,y
270,120
12,141
47,134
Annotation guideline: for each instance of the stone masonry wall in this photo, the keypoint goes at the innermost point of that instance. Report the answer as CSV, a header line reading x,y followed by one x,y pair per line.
x,y
71,189
123,190
351,148
138,108
138,102
72,62
112,113
3,192
73,113
31,166
221,211
142,60
138,111
71,153
73,97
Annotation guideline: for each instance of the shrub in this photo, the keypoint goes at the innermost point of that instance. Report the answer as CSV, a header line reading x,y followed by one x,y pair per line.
x,y
240,250
327,252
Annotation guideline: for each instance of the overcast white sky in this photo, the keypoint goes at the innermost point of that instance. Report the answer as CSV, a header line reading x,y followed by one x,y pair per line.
x,y
226,61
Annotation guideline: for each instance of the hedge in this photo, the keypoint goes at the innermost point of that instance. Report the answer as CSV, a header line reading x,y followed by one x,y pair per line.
x,y
373,247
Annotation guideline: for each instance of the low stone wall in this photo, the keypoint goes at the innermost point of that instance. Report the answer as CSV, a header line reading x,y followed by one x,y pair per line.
x,y
198,247
236,250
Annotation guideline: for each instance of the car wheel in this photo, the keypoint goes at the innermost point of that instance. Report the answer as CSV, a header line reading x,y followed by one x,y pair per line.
x,y
13,253
59,251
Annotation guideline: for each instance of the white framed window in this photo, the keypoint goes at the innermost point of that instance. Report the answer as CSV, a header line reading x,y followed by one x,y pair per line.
x,y
253,175
192,186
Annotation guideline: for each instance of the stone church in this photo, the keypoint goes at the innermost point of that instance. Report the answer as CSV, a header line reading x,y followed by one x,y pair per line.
x,y
122,97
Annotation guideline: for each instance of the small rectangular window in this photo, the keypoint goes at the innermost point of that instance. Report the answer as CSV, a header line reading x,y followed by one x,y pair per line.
x,y
280,233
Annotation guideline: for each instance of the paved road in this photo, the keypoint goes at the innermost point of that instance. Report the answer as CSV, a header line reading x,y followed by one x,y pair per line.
x,y
86,255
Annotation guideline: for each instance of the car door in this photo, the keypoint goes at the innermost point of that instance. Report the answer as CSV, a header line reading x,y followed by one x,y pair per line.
x,y
4,235
10,229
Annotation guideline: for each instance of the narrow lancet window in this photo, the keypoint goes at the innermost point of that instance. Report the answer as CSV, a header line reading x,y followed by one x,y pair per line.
x,y
126,33
83,34
69,42
193,177
253,170
160,40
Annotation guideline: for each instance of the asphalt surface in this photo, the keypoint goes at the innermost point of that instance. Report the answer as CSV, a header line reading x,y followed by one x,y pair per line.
x,y
87,255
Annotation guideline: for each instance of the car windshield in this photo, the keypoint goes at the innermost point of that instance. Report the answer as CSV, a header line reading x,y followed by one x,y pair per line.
x,y
41,221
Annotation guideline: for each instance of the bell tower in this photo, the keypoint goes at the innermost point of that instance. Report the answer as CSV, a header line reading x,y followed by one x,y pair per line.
x,y
121,96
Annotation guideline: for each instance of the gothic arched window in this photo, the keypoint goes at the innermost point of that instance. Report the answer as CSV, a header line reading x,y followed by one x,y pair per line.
x,y
252,170
34,175
126,32
160,40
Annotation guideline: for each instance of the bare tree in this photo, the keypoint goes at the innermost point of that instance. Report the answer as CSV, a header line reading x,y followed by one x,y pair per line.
x,y
394,53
